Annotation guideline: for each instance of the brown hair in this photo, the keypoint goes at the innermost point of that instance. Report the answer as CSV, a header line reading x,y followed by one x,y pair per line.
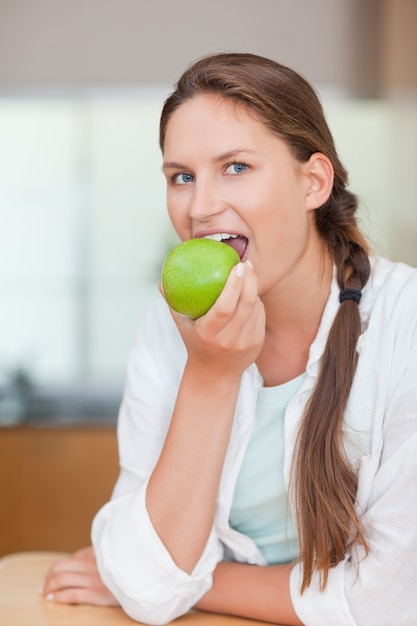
x,y
324,482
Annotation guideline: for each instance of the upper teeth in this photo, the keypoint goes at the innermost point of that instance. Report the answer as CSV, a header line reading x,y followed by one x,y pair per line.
x,y
220,236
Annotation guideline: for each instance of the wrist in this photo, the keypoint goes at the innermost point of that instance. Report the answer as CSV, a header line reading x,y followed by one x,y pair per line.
x,y
213,377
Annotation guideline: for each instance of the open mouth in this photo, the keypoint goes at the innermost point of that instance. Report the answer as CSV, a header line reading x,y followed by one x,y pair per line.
x,y
238,242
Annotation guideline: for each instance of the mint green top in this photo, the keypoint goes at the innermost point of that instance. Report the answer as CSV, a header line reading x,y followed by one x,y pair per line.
x,y
260,507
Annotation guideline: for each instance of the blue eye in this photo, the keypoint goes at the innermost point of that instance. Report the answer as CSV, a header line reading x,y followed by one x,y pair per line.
x,y
236,168
183,179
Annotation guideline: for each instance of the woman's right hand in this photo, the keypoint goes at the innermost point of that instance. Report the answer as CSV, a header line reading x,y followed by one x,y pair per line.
x,y
229,337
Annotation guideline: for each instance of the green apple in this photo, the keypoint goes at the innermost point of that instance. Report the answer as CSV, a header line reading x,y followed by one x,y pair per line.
x,y
194,274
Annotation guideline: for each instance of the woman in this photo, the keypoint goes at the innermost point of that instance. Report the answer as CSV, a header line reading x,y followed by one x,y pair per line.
x,y
267,448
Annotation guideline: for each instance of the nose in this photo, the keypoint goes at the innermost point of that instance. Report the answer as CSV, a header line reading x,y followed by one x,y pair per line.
x,y
206,200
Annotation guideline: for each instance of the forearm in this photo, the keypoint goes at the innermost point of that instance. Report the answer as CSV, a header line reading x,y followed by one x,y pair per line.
x,y
182,492
251,591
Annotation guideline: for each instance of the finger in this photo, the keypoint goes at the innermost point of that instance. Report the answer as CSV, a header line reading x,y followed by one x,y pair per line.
x,y
77,595
72,573
71,566
85,553
249,294
225,306
256,327
241,296
82,559
54,570
68,579
234,286
246,329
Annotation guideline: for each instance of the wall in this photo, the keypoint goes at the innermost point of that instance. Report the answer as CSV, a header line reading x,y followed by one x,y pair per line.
x,y
56,42
399,89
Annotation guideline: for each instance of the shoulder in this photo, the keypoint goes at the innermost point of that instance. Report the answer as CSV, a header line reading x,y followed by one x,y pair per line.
x,y
388,273
391,289
390,318
389,315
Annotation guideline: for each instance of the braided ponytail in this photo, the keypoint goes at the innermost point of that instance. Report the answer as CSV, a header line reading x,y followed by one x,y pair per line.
x,y
325,483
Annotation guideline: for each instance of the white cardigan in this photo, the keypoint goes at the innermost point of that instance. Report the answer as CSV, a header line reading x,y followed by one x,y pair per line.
x,y
381,440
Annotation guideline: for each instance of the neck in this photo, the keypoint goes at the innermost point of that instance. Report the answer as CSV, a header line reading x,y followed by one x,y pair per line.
x,y
294,309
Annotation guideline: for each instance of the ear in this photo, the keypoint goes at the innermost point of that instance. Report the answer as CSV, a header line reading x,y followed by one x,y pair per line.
x,y
319,172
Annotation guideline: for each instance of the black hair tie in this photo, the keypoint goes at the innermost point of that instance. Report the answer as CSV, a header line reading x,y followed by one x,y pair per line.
x,y
350,294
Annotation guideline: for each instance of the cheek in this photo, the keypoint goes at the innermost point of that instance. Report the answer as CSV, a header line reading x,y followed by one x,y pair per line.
x,y
283,232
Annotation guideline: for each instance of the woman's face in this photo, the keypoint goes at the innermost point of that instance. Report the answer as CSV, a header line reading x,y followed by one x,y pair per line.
x,y
230,178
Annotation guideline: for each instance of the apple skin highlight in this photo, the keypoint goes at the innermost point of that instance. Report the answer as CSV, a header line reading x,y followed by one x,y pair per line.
x,y
194,274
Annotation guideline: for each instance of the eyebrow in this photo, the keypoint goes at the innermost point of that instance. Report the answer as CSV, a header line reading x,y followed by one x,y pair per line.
x,y
217,159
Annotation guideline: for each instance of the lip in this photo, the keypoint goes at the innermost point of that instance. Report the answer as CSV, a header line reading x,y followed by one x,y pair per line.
x,y
214,231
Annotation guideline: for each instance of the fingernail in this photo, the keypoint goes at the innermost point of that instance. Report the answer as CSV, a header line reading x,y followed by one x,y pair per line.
x,y
49,597
240,270
250,264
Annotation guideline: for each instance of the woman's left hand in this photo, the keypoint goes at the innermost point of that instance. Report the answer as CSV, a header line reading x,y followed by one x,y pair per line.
x,y
76,581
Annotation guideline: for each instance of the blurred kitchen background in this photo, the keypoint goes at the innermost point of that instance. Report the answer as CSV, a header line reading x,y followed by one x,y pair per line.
x,y
83,227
